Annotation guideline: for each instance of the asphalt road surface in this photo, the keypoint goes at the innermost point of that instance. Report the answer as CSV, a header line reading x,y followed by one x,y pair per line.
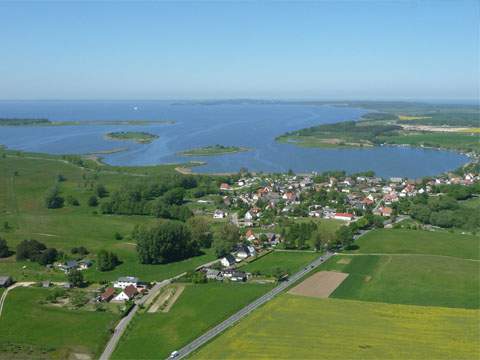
x,y
122,325
209,335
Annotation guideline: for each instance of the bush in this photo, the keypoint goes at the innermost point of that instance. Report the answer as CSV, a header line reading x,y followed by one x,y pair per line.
x,y
4,251
92,201
53,200
81,250
106,260
72,201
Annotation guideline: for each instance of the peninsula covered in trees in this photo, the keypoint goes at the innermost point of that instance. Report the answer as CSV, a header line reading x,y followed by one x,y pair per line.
x,y
414,124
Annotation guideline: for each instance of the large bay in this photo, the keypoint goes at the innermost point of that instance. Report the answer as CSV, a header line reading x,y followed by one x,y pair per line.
x,y
250,125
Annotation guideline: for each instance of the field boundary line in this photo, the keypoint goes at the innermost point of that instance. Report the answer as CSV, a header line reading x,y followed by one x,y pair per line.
x,y
387,254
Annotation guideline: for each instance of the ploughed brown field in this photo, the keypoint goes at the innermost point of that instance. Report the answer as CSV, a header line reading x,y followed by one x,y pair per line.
x,y
320,284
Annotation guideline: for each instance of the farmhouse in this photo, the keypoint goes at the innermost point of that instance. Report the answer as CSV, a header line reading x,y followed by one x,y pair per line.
x,y
238,276
68,266
343,216
126,281
250,236
384,211
218,214
84,264
244,252
108,294
127,294
225,187
228,260
213,274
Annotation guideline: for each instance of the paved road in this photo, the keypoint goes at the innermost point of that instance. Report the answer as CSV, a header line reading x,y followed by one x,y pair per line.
x,y
209,335
11,287
122,325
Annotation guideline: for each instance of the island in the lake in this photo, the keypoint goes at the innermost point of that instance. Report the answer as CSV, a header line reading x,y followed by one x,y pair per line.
x,y
212,150
137,136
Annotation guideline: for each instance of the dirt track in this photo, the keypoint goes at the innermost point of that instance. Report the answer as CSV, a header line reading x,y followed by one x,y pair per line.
x,y
320,285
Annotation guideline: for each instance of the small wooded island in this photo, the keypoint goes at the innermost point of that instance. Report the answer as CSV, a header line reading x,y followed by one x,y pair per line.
x,y
212,150
137,136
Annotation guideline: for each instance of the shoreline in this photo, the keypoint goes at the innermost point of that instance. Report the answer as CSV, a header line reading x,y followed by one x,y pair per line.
x,y
187,168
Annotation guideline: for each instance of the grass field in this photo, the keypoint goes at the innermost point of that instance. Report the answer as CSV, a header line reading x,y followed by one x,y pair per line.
x,y
295,327
200,307
289,261
400,241
21,205
409,279
434,139
29,330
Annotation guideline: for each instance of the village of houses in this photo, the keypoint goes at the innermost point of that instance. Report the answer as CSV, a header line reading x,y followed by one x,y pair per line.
x,y
254,196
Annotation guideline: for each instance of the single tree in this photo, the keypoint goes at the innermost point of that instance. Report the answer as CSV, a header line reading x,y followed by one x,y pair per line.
x,y
4,251
200,229
75,277
53,200
229,237
92,201
101,190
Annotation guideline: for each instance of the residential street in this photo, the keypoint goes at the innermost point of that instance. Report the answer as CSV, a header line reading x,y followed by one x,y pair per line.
x,y
122,325
209,335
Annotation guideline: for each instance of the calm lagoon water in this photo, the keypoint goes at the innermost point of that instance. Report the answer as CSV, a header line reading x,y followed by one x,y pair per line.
x,y
250,125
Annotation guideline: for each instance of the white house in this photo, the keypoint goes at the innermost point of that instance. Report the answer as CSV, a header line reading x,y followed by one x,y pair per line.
x,y
218,214
228,260
127,294
343,216
248,216
125,281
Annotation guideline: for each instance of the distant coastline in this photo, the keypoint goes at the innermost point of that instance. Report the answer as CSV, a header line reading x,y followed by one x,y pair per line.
x,y
47,122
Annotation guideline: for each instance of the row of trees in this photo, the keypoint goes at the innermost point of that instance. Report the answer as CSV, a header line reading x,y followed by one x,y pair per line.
x,y
53,199
311,235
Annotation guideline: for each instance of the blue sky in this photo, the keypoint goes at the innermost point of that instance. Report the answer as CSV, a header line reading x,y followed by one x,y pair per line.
x,y
161,50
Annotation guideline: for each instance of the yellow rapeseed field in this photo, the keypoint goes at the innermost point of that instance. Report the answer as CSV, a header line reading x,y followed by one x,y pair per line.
x,y
298,327
407,117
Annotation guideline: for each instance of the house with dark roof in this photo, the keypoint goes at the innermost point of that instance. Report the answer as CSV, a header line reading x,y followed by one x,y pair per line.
x,y
228,260
5,281
127,294
108,294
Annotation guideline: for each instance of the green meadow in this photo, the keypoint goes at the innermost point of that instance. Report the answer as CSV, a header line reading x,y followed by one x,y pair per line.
x,y
297,327
401,241
289,261
409,279
200,307
31,330
26,180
